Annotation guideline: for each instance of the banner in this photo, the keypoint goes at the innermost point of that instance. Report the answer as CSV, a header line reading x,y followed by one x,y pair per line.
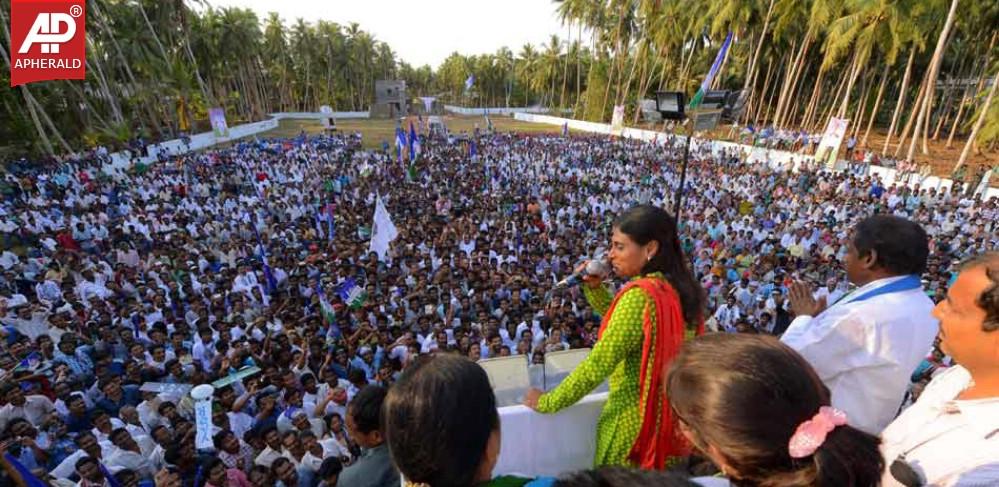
x,y
217,117
203,425
617,121
831,140
428,103
983,186
327,118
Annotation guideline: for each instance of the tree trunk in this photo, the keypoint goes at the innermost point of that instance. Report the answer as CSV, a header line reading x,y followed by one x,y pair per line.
x,y
924,107
965,99
901,99
854,72
858,116
786,113
42,136
565,68
877,104
912,117
978,123
763,93
813,100
751,69
821,122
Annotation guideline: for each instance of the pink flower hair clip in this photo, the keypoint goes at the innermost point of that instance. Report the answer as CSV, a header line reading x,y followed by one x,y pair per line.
x,y
811,434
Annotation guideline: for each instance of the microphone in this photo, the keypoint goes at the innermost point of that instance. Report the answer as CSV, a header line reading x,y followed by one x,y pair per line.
x,y
596,267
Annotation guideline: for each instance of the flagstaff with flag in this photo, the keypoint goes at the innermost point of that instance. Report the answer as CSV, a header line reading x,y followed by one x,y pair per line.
x,y
352,294
715,66
383,231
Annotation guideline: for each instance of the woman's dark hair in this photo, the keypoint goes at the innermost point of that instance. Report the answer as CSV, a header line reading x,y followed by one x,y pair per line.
x,y
623,477
645,223
745,395
438,419
902,245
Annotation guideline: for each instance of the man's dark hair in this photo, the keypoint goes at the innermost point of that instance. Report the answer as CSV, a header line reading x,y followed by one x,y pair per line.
x,y
989,299
902,245
330,467
366,408
623,477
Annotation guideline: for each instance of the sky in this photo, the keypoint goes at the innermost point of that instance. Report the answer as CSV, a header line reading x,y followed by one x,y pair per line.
x,y
428,31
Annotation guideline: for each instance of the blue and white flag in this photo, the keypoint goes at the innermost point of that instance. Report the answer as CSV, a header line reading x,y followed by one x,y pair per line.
x,y
706,84
469,82
330,220
27,477
412,142
400,142
351,293
268,275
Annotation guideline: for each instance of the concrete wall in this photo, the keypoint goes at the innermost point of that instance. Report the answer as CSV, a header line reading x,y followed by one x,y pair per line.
x,y
756,154
493,111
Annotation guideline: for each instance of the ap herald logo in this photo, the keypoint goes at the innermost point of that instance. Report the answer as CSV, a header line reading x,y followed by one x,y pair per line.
x,y
47,40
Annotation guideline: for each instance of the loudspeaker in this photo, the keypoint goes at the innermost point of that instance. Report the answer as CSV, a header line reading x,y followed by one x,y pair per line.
x,y
714,99
671,104
734,105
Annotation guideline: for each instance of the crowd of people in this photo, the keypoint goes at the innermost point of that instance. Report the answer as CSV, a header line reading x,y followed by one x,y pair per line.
x,y
118,285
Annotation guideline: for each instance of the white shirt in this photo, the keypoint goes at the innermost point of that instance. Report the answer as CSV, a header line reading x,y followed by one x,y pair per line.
x,y
865,351
948,441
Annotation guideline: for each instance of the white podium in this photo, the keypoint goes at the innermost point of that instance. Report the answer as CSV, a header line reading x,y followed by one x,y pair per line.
x,y
535,444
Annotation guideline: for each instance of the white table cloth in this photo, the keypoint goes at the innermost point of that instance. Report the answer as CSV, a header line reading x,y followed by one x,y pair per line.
x,y
535,444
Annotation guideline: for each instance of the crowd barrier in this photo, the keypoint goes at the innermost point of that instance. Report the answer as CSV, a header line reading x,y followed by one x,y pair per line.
x,y
122,160
509,111
756,154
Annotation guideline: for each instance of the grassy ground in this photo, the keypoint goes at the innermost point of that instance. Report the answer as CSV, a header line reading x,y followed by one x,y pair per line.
x,y
376,131
941,158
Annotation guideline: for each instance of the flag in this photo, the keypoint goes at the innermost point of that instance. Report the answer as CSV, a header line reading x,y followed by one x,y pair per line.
x,y
326,311
472,150
469,82
565,129
411,173
383,231
113,482
318,220
268,275
31,362
352,294
706,84
329,221
400,142
29,479
412,141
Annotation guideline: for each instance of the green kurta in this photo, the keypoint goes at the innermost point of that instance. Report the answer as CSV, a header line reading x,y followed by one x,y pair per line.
x,y
618,354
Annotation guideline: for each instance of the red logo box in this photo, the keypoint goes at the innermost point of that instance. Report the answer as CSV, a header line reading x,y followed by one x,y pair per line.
x,y
48,40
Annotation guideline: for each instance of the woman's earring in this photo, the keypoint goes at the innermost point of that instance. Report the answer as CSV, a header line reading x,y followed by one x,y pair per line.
x,y
648,258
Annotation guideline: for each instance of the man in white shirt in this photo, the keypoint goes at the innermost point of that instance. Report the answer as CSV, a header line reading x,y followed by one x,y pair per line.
x,y
32,408
865,346
950,436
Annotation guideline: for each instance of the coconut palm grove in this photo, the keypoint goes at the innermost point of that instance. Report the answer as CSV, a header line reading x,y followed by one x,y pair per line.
x,y
707,243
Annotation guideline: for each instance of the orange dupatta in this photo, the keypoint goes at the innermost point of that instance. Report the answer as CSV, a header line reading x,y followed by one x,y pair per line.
x,y
657,439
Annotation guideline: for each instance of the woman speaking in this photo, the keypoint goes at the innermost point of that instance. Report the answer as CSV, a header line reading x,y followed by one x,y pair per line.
x,y
643,327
